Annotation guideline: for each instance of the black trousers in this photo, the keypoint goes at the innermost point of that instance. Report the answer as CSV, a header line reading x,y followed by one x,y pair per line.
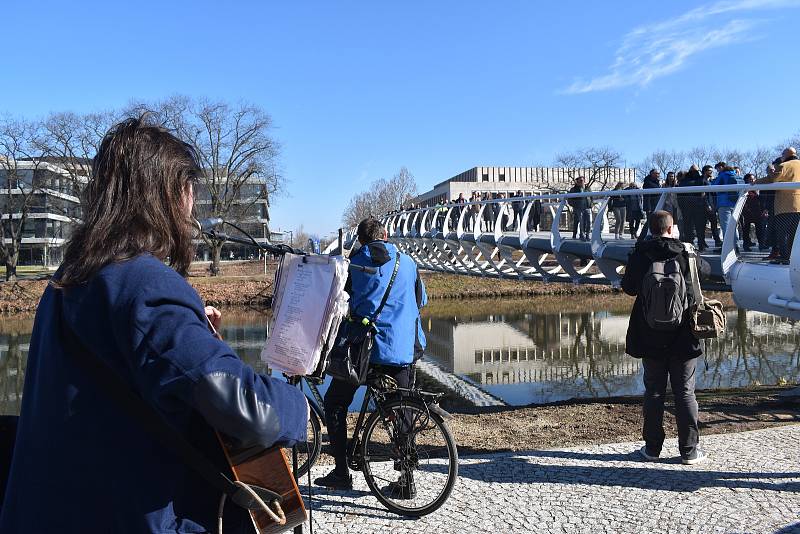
x,y
758,223
785,228
633,225
694,222
681,374
713,222
338,398
581,220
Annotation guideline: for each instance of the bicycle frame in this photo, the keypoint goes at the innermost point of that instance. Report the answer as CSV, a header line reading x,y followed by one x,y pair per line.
x,y
352,459
315,400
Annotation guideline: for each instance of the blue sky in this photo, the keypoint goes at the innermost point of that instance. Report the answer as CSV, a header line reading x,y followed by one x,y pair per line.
x,y
359,89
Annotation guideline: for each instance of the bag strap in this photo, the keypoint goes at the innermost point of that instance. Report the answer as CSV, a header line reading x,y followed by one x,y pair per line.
x,y
388,288
149,419
695,278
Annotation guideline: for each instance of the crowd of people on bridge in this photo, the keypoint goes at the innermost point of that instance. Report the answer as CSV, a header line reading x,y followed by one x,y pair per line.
x,y
767,223
771,217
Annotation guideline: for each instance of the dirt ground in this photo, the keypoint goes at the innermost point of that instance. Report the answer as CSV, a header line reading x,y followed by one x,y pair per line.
x,y
573,423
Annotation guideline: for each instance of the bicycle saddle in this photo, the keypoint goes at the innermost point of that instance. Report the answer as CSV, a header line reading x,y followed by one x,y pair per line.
x,y
381,381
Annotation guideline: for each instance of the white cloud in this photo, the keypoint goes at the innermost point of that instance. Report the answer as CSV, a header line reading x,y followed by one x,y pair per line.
x,y
655,50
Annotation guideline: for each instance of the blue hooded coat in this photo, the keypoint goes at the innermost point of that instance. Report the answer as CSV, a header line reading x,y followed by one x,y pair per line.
x,y
81,464
400,340
726,199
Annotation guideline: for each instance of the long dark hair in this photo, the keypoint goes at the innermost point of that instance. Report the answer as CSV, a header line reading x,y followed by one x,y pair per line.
x,y
134,203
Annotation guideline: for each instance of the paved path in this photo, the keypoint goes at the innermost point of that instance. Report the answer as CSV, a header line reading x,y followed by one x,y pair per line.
x,y
751,483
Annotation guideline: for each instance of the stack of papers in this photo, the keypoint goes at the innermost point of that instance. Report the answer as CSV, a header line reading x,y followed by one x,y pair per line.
x,y
308,305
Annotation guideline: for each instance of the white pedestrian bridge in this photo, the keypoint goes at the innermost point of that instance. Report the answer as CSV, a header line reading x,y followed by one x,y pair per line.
x,y
475,239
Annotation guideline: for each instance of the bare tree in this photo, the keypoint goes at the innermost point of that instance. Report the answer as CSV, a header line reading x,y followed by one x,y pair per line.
x,y
598,165
756,161
238,157
664,161
701,155
300,238
793,141
21,186
381,197
731,156
399,190
72,140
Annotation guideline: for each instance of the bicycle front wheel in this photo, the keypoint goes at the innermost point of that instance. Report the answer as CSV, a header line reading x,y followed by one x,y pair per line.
x,y
410,460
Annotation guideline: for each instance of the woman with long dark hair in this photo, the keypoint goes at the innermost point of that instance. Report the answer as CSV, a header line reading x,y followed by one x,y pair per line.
x,y
82,464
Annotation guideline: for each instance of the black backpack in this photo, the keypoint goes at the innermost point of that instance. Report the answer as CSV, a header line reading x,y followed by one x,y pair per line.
x,y
664,296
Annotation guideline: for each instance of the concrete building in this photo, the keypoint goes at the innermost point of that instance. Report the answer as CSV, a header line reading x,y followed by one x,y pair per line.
x,y
52,207
509,180
249,210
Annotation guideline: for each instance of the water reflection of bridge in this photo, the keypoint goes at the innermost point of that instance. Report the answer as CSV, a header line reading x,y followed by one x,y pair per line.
x,y
577,349
538,357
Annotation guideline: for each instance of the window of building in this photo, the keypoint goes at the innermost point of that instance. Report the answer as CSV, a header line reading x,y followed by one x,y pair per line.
x,y
485,177
501,177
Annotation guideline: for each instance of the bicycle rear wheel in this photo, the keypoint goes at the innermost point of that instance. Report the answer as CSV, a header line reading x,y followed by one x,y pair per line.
x,y
410,460
308,452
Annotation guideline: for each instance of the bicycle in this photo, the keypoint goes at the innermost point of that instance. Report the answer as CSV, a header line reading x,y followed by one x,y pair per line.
x,y
400,434
391,439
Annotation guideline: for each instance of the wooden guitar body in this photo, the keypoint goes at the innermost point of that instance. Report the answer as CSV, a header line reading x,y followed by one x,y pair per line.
x,y
267,468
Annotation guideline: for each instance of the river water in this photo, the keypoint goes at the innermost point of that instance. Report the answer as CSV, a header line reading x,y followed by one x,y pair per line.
x,y
516,352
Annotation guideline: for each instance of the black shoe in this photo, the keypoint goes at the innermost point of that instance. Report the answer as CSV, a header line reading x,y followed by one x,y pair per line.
x,y
335,480
648,455
404,488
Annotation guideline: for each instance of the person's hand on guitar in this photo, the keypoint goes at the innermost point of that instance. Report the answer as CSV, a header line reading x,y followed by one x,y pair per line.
x,y
214,317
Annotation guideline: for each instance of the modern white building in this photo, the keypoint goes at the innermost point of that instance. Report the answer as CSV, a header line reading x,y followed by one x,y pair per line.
x,y
509,180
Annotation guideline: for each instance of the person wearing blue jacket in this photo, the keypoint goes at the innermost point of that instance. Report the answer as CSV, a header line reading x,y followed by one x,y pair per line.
x,y
399,341
727,200
82,464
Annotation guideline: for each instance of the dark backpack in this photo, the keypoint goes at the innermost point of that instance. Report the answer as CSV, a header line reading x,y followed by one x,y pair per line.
x,y
664,298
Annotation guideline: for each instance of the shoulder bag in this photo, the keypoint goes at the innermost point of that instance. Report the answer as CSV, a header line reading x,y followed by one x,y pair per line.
x,y
706,315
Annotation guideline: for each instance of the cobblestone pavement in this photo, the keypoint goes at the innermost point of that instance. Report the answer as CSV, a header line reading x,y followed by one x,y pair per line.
x,y
751,483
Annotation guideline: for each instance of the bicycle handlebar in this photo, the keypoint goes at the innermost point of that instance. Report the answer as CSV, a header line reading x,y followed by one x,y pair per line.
x,y
274,249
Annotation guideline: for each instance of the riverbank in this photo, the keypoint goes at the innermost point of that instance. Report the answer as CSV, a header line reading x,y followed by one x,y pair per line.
x,y
444,290
245,284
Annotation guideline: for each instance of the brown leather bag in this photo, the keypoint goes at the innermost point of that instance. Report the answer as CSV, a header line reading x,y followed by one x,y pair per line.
x,y
706,315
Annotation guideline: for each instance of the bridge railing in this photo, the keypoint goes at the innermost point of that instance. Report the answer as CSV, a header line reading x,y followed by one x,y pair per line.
x,y
539,236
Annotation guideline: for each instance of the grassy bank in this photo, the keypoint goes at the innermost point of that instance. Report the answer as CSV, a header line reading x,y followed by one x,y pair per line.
x,y
444,290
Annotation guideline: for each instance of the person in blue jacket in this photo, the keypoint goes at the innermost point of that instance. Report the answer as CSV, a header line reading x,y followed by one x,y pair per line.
x,y
81,463
726,200
399,341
